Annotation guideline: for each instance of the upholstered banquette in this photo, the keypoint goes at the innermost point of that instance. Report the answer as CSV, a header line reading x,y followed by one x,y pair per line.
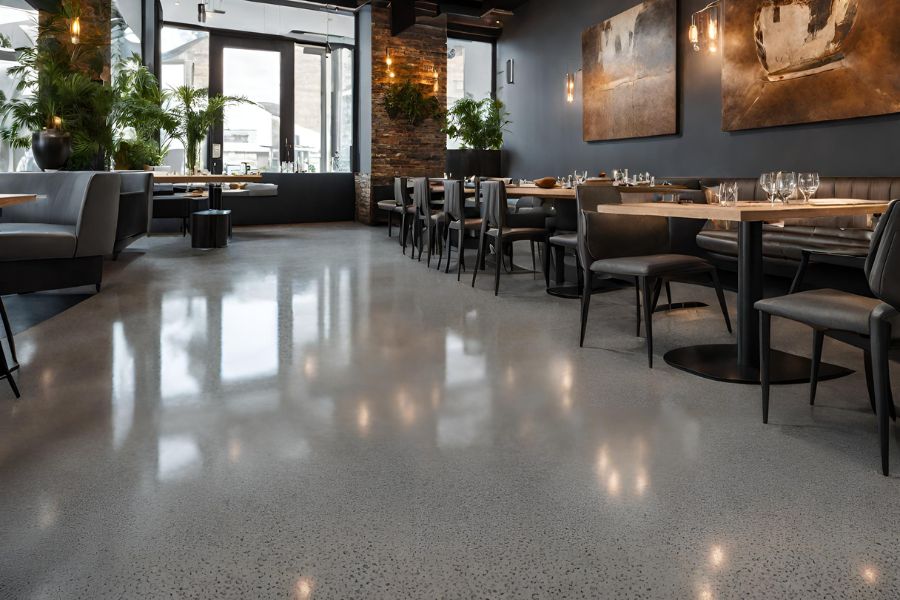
x,y
784,242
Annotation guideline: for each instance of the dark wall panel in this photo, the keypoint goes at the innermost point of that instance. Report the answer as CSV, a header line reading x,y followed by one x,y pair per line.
x,y
546,134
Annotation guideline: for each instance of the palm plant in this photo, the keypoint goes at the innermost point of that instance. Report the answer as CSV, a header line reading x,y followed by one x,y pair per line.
x,y
194,113
479,124
139,115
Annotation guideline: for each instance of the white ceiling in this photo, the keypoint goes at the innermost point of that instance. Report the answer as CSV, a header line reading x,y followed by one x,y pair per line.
x,y
256,17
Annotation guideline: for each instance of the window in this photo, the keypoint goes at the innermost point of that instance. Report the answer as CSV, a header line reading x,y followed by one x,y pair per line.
x,y
251,132
18,24
125,26
185,61
469,66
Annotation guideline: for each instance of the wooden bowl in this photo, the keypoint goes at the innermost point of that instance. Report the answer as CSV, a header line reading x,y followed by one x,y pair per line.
x,y
545,183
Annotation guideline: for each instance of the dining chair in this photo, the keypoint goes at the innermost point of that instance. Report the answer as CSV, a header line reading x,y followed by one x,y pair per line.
x,y
637,248
496,227
429,222
458,221
871,324
564,237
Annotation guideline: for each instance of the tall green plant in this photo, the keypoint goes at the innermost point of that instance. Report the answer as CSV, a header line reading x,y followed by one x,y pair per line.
x,y
195,113
59,78
409,102
139,115
478,124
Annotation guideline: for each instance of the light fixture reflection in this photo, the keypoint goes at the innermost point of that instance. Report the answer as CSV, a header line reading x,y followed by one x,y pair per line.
x,y
641,483
303,589
612,483
717,556
362,417
870,575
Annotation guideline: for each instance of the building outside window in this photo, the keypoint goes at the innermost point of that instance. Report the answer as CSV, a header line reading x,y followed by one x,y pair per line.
x,y
18,25
469,66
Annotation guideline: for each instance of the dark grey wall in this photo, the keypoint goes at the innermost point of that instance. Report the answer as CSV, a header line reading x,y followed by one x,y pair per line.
x,y
544,38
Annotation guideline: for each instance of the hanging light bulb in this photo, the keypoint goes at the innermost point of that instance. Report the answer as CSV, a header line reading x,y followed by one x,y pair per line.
x,y
570,87
694,34
75,30
388,59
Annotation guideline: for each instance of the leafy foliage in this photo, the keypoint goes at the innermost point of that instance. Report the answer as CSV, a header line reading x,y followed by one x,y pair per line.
x,y
194,112
409,102
138,115
478,124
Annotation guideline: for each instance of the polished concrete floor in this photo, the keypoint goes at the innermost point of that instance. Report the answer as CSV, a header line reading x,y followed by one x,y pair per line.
x,y
309,414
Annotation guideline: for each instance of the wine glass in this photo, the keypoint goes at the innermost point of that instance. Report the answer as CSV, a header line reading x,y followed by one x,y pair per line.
x,y
808,184
767,183
786,185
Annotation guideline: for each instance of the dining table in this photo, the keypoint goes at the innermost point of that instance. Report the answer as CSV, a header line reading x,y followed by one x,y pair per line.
x,y
214,182
739,363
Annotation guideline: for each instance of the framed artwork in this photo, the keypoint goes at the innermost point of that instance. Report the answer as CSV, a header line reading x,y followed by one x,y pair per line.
x,y
629,73
805,61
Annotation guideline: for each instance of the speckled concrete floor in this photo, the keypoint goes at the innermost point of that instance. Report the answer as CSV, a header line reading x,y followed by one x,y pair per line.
x,y
308,414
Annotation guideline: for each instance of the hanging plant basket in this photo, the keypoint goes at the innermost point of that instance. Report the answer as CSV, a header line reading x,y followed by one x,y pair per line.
x,y
410,103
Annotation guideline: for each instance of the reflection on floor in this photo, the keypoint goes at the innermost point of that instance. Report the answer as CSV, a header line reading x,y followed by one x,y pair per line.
x,y
310,414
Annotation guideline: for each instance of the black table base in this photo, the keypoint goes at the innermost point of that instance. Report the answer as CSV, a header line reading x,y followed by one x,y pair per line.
x,y
573,292
720,363
680,306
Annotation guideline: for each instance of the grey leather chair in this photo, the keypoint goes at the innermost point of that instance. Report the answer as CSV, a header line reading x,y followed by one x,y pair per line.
x,y
428,222
60,240
499,226
636,248
398,205
872,324
457,221
135,208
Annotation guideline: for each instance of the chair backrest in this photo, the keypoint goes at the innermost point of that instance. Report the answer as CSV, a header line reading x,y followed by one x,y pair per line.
x,y
603,235
883,263
495,204
455,199
401,191
422,195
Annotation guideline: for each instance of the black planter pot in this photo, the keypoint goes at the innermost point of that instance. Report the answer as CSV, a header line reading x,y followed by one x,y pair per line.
x,y
483,163
51,149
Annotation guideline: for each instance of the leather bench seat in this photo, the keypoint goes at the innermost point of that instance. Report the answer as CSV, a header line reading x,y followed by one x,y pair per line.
x,y
787,243
27,241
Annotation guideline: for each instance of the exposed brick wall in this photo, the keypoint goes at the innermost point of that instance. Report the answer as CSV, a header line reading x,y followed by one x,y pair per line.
x,y
397,148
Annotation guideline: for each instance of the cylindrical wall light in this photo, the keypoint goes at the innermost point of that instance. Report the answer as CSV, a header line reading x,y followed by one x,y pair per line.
x,y
704,30
75,30
570,87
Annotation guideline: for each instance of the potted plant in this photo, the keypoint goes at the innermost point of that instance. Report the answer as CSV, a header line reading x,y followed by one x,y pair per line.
x,y
479,125
409,102
63,109
139,115
195,112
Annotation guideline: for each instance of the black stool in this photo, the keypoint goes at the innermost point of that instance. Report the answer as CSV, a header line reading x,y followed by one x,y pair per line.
x,y
209,228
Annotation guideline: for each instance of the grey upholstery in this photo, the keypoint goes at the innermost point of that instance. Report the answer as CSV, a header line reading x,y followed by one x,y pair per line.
x,y
30,241
85,201
652,266
824,309
841,235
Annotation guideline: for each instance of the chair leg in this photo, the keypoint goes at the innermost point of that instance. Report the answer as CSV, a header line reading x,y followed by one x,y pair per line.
x,y
449,250
714,275
669,294
586,302
4,371
801,273
533,262
560,265
390,223
818,341
657,290
648,318
870,380
547,263
881,339
460,253
7,327
403,231
765,351
480,258
499,265
637,304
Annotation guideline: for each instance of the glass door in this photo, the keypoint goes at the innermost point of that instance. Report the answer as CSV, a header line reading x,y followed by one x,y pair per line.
x,y
255,135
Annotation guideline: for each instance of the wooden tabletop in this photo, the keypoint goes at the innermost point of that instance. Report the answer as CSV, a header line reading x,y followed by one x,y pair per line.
x,y
205,178
13,199
750,211
569,193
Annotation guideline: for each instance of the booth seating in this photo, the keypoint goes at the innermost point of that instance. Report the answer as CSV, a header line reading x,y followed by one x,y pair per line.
x,y
59,240
135,206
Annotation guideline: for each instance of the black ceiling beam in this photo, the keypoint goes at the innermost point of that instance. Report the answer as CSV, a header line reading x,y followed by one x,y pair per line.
x,y
403,15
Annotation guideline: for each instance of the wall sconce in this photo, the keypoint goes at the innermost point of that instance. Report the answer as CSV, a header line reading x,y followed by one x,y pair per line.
x,y
201,12
389,61
704,29
437,79
511,71
570,87
75,30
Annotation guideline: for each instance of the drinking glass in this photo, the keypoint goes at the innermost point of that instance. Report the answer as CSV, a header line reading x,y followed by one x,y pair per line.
x,y
767,183
808,184
727,193
786,185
